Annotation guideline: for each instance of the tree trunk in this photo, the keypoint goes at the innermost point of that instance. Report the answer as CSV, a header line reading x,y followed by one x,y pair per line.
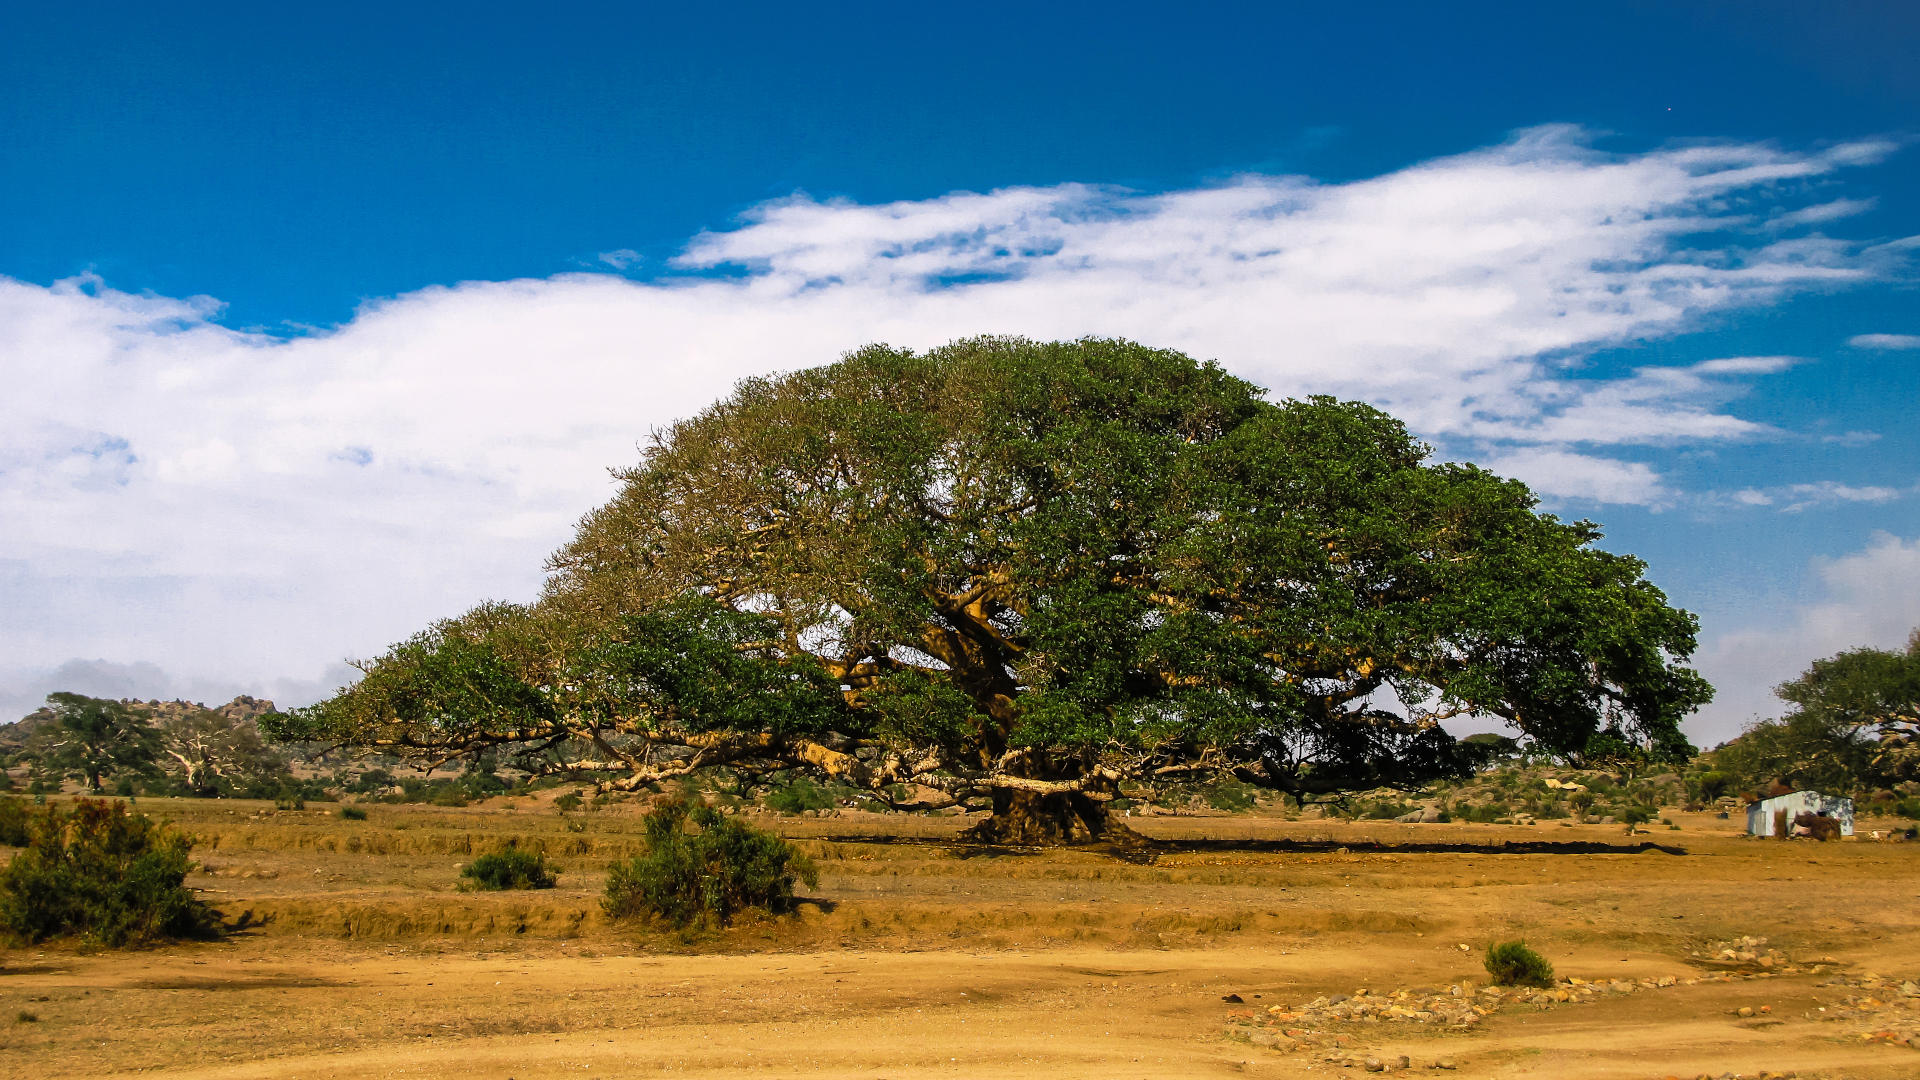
x,y
1035,820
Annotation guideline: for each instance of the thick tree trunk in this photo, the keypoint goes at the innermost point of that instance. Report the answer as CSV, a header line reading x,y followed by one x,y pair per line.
x,y
1034,820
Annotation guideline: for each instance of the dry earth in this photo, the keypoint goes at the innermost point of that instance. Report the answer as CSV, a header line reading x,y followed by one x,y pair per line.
x,y
918,956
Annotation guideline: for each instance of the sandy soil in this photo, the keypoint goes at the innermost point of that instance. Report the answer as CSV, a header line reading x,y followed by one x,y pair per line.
x,y
918,956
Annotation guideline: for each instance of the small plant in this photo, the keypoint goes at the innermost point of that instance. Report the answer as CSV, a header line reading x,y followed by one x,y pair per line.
x,y
706,876
568,802
1636,815
352,813
25,1017
101,874
511,869
1512,963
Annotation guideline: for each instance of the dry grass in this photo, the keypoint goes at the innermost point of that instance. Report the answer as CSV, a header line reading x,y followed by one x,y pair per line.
x,y
365,958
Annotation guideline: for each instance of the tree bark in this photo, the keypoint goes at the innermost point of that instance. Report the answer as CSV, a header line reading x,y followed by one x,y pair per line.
x,y
1032,819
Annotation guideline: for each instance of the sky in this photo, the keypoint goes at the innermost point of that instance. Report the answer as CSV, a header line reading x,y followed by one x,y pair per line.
x,y
318,324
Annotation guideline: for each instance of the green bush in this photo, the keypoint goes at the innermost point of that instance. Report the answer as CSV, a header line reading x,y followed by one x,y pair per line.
x,y
13,822
352,813
100,874
1512,963
1635,815
707,876
802,794
1385,809
569,801
1231,794
511,869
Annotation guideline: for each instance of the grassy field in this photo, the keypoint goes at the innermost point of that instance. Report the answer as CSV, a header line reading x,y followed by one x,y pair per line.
x,y
919,955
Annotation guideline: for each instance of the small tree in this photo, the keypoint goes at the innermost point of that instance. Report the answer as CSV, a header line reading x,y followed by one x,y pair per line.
x,y
707,876
101,874
94,739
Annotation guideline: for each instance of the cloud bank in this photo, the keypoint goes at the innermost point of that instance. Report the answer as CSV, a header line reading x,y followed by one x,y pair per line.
x,y
237,507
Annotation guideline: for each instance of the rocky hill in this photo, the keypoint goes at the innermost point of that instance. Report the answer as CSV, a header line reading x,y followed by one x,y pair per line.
x,y
245,707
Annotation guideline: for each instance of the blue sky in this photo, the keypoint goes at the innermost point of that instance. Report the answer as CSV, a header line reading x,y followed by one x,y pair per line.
x,y
325,323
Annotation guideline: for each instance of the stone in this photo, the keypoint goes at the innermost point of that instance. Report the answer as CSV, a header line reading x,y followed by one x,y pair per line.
x,y
1445,1063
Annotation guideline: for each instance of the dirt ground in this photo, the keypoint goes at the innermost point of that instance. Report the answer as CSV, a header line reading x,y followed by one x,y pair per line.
x,y
919,956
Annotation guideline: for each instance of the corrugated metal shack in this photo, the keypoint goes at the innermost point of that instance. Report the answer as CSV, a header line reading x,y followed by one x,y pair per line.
x,y
1764,817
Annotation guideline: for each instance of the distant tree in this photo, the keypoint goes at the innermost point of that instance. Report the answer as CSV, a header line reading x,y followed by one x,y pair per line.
x,y
207,751
1799,751
1019,575
94,739
1862,697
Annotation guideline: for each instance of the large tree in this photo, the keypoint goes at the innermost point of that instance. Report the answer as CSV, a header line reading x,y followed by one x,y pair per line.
x,y
1021,575
94,739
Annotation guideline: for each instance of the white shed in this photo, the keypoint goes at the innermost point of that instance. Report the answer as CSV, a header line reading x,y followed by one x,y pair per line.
x,y
1762,815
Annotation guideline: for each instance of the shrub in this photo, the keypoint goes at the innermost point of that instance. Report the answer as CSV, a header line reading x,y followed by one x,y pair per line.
x,y
1512,963
569,801
706,876
1635,815
1230,794
13,822
798,796
511,869
1385,809
352,813
101,874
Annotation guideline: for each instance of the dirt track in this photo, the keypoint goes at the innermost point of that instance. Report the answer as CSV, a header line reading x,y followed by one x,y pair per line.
x,y
922,959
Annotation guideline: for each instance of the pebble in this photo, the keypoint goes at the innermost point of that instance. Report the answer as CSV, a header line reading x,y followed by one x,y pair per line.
x,y
1890,1008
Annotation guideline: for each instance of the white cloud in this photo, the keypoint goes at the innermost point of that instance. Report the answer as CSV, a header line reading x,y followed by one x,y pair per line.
x,y
1885,341
1580,476
1654,405
1822,212
1871,598
238,506
1793,498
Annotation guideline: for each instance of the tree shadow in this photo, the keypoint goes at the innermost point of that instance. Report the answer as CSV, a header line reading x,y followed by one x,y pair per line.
x,y
1149,851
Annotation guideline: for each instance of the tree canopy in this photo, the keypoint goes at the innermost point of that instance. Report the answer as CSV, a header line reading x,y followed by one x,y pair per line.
x,y
1028,573
94,739
1854,724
